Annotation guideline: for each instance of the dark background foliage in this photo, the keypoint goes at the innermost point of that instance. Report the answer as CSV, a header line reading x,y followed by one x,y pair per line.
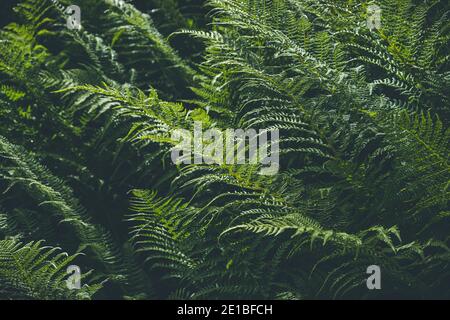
x,y
85,136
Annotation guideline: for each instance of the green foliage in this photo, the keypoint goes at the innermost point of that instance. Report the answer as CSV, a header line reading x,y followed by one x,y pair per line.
x,y
32,271
86,132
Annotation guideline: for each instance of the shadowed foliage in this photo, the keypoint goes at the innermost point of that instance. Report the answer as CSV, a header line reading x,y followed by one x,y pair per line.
x,y
86,123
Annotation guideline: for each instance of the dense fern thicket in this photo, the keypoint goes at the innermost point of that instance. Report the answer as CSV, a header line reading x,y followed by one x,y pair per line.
x,y
86,175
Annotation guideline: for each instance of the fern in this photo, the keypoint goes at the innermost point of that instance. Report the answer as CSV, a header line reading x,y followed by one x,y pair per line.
x,y
32,271
88,115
